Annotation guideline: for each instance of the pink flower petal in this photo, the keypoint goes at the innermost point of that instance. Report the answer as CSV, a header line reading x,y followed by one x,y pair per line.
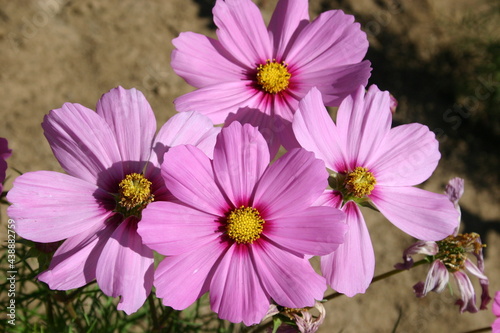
x,y
130,117
74,263
50,206
173,229
363,121
242,32
472,268
454,190
496,304
419,213
230,96
428,248
437,279
83,144
182,279
290,184
408,156
206,64
496,326
289,18
189,176
314,231
236,293
349,270
125,267
5,152
332,39
316,132
268,126
335,83
329,198
191,128
241,155
467,301
289,280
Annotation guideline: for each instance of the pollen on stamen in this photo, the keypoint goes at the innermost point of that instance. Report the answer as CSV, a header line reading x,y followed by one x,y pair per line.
x,y
453,250
273,77
244,225
360,182
134,194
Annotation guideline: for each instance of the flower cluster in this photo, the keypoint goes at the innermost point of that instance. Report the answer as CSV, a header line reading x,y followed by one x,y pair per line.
x,y
226,214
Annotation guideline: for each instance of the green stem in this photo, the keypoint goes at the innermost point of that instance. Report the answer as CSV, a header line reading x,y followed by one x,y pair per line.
x,y
262,327
381,277
484,329
152,310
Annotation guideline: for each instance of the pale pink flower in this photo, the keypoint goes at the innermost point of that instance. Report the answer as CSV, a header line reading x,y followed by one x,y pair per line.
x,y
268,70
376,165
5,153
112,159
242,227
303,320
496,311
450,256
307,323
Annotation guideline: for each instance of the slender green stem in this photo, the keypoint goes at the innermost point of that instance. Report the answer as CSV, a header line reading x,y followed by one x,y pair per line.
x,y
381,277
479,330
152,310
385,275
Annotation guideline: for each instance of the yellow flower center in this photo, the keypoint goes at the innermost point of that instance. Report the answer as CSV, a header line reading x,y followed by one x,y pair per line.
x,y
360,182
453,250
244,225
273,77
134,194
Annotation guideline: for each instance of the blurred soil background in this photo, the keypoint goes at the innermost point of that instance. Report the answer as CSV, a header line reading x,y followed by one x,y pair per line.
x,y
440,59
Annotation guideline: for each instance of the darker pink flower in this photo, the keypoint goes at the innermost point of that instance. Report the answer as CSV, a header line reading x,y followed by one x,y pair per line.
x,y
373,165
242,227
5,153
112,159
269,69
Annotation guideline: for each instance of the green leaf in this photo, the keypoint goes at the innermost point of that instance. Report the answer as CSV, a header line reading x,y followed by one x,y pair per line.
x,y
276,324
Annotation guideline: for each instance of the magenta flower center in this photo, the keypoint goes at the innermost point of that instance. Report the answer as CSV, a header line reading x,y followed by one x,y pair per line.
x,y
244,225
134,194
360,182
273,77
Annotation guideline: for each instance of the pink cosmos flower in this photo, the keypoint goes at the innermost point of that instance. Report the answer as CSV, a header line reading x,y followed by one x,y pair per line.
x,y
374,165
450,256
112,159
242,227
304,321
269,69
5,153
496,311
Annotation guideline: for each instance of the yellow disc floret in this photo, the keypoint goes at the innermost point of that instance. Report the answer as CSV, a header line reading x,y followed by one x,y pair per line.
x,y
273,77
359,182
134,194
453,250
244,225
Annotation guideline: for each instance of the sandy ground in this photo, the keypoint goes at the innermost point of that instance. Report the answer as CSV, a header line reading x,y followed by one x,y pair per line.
x,y
56,51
